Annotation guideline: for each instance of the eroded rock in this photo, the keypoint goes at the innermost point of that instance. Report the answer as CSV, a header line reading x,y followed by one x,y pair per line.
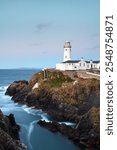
x,y
9,133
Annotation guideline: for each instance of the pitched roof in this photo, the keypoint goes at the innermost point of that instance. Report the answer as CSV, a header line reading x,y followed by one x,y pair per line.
x,y
96,61
71,61
87,61
76,61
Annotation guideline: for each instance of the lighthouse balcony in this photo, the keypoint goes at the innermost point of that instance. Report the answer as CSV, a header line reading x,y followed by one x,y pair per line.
x,y
67,46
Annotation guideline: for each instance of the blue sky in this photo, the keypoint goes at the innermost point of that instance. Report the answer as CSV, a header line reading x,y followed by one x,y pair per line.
x,y
33,32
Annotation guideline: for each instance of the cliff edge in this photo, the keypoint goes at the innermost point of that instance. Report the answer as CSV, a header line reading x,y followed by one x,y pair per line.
x,y
63,96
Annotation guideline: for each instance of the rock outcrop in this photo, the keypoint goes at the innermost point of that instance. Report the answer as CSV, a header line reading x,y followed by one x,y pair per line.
x,y
9,133
85,133
63,98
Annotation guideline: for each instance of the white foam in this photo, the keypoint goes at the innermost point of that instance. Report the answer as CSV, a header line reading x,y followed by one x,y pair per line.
x,y
67,123
2,92
31,110
3,88
30,130
44,117
3,96
27,109
10,108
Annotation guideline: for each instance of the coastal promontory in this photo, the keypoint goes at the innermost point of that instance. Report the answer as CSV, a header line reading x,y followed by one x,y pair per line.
x,y
65,96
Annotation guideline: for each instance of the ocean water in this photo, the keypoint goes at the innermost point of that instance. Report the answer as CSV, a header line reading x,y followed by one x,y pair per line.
x,y
31,134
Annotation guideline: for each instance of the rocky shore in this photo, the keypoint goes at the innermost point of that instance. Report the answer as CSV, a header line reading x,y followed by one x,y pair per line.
x,y
9,133
64,98
84,133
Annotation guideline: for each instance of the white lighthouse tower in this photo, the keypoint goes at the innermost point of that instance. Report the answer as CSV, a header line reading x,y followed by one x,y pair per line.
x,y
69,64
67,51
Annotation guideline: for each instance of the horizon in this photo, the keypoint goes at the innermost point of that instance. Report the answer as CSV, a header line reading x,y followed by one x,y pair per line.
x,y
32,33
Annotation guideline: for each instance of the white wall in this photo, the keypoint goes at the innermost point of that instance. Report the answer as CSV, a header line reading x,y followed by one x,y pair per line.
x,y
96,65
67,54
60,66
81,65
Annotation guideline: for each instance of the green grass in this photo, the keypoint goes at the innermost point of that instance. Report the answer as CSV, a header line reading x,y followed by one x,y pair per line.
x,y
58,81
53,78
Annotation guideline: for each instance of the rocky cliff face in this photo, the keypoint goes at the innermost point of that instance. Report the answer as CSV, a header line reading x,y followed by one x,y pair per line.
x,y
64,98
86,132
9,133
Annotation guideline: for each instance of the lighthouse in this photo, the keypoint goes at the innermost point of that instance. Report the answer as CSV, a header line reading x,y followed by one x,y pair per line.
x,y
70,64
67,51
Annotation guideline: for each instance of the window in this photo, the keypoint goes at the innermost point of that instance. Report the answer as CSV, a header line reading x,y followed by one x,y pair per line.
x,y
91,66
80,64
83,64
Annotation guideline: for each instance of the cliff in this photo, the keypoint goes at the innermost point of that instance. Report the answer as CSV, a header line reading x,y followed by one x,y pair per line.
x,y
63,96
9,133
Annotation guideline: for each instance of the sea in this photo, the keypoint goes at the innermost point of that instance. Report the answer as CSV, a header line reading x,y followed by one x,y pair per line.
x,y
31,134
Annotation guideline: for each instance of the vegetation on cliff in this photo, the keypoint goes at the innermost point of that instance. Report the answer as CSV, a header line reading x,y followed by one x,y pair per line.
x,y
51,78
64,98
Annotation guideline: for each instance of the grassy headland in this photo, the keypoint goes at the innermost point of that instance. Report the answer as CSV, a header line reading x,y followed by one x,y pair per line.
x,y
64,96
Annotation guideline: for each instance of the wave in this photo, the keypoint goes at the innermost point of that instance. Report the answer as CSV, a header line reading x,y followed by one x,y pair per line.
x,y
10,108
31,110
67,123
30,130
36,112
44,117
3,96
3,88
27,109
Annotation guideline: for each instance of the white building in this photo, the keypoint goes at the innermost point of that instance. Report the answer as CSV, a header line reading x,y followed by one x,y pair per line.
x,y
69,64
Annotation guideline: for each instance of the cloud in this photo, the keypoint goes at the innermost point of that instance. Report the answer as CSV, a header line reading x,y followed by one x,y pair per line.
x,y
41,26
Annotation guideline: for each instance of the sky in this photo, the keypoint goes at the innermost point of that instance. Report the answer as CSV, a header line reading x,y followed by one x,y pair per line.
x,y
33,32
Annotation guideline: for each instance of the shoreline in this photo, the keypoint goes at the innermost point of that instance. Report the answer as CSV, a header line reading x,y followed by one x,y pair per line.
x,y
50,101
9,133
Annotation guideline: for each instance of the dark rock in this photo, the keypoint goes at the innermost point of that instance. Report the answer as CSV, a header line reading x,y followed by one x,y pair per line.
x,y
12,119
13,127
17,86
68,131
65,101
82,138
9,133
